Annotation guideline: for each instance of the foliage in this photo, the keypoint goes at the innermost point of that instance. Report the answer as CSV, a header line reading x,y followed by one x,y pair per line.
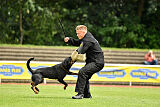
x,y
114,23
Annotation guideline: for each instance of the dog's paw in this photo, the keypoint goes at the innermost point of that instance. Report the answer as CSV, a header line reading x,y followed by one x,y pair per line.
x,y
65,87
34,86
35,91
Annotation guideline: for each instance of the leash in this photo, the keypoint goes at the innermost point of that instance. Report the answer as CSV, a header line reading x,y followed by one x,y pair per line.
x,y
66,70
69,72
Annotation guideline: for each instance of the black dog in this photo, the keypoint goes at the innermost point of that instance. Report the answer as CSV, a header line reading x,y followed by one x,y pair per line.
x,y
58,71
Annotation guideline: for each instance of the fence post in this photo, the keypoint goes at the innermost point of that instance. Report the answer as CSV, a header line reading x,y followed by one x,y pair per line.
x,y
130,83
0,80
45,81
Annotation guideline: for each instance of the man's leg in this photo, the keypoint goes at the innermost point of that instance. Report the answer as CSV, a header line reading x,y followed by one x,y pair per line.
x,y
81,82
80,85
84,75
147,63
155,62
87,93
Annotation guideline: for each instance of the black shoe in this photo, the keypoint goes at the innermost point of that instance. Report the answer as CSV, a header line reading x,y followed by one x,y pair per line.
x,y
78,96
87,96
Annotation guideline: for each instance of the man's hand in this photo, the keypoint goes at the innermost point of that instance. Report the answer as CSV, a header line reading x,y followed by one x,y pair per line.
x,y
66,39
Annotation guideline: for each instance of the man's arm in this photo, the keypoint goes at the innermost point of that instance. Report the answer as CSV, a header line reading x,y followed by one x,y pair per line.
x,y
146,57
153,57
84,47
72,41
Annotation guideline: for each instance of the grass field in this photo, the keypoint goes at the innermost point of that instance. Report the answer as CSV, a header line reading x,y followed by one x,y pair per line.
x,y
74,47
12,95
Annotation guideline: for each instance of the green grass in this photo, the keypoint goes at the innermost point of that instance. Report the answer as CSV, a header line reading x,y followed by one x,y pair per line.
x,y
55,96
73,47
37,46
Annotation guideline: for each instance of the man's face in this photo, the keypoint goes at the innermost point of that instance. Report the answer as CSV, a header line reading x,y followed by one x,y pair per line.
x,y
80,33
150,53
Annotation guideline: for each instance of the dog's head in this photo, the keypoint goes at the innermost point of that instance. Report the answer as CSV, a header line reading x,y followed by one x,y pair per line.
x,y
67,63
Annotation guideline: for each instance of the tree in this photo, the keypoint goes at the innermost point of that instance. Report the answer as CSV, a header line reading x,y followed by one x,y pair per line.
x,y
114,23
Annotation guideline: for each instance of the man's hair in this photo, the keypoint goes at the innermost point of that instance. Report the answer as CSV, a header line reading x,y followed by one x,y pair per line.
x,y
81,27
150,51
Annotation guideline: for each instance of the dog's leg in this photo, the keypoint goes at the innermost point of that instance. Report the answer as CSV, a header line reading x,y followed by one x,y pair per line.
x,y
34,88
35,91
42,80
63,82
37,79
72,73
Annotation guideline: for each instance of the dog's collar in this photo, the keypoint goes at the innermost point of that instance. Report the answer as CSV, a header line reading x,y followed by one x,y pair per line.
x,y
65,69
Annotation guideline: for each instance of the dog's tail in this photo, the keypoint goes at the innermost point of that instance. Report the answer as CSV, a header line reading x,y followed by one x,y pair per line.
x,y
29,68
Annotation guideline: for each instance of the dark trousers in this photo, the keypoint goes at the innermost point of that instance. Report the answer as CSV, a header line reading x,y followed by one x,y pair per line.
x,y
85,73
154,62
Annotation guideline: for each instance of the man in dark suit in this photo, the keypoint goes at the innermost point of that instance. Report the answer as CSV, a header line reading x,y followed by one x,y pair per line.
x,y
94,59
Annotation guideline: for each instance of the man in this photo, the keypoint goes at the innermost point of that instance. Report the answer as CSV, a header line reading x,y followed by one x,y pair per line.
x,y
150,59
94,59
